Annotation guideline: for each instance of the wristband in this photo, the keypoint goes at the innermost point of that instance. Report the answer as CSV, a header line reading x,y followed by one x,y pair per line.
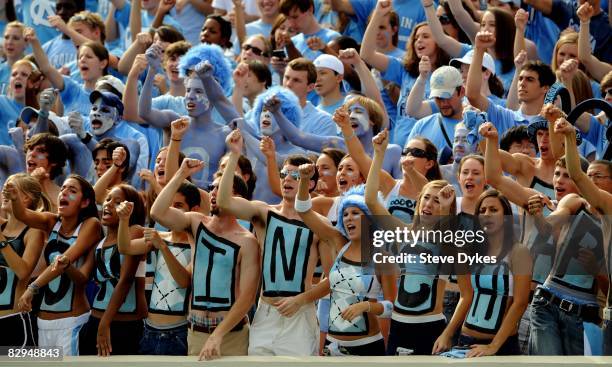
x,y
302,206
34,288
87,138
176,139
350,136
387,309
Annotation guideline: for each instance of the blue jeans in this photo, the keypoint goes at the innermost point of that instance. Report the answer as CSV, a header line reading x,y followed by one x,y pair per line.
x,y
554,331
607,338
170,342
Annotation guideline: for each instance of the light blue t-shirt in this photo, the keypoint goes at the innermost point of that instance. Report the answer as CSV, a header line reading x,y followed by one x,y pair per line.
x,y
60,51
75,97
34,13
331,108
300,42
410,13
190,20
597,136
504,118
506,78
258,27
317,122
5,77
429,128
543,32
102,7
9,112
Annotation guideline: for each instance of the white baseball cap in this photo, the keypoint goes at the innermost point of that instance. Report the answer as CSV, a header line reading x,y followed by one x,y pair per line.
x,y
487,61
444,81
330,62
113,82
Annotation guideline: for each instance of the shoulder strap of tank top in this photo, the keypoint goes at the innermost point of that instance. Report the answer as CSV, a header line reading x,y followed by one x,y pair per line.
x,y
394,192
57,226
342,251
101,243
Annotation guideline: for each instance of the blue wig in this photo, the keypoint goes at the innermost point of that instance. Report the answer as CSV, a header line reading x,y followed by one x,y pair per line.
x,y
213,54
352,197
290,105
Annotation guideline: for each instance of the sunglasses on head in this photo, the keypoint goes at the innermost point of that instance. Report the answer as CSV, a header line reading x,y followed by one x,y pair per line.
x,y
415,152
444,19
256,50
294,174
212,187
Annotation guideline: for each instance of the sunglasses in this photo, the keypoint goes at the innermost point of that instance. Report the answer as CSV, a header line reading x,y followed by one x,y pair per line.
x,y
609,91
444,19
294,174
415,152
256,50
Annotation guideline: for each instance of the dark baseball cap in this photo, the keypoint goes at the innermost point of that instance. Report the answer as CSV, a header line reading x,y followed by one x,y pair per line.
x,y
109,98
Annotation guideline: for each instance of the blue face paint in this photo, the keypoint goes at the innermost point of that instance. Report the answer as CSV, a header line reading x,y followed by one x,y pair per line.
x,y
359,116
102,117
196,99
267,123
461,144
72,197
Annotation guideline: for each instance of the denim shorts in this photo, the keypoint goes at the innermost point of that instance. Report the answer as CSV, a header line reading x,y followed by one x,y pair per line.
x,y
170,342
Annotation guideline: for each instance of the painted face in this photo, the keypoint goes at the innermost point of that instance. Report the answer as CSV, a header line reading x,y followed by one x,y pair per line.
x,y
461,146
37,156
102,117
70,198
491,215
348,174
14,42
351,218
563,183
360,119
267,123
327,174
109,207
102,162
196,99
600,175
471,178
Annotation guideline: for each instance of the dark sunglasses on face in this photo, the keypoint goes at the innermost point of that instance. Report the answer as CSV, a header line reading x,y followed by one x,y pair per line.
x,y
415,152
256,50
609,91
294,174
444,19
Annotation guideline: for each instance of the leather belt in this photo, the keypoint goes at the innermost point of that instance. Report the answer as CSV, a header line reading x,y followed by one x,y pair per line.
x,y
586,312
210,329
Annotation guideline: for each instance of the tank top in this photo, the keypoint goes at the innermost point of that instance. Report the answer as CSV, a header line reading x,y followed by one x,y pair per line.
x,y
167,297
399,206
59,293
213,278
332,215
493,286
107,274
568,276
285,256
8,278
350,283
417,290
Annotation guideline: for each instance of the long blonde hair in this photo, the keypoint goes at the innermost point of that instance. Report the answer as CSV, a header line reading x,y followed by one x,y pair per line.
x,y
31,187
437,184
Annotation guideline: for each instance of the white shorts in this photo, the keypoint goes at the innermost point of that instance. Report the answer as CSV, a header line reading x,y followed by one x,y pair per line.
x,y
275,335
62,333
